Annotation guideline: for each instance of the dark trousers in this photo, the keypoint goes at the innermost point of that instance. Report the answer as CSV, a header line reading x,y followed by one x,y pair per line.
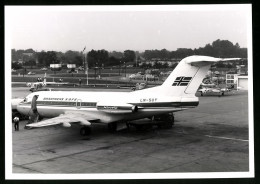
x,y
16,126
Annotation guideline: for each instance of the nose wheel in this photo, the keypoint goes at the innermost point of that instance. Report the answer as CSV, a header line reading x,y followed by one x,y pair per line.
x,y
86,130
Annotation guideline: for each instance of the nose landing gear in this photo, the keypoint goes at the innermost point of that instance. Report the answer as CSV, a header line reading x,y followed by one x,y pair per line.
x,y
86,130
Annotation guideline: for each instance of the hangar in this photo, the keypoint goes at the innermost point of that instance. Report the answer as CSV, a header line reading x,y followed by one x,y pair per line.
x,y
240,81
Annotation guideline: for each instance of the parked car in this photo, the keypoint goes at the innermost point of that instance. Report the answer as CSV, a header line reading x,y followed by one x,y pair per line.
x,y
81,68
44,69
136,76
31,73
13,70
72,71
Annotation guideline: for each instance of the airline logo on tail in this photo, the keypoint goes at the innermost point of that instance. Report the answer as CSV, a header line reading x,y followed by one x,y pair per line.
x,y
182,81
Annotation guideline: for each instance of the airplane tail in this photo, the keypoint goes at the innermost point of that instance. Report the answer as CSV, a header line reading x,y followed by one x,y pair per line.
x,y
188,75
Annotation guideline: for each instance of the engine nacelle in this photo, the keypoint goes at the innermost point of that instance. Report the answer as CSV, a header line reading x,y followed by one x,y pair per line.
x,y
117,108
134,108
66,124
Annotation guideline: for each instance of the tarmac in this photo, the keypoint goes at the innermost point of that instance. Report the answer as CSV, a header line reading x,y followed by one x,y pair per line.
x,y
213,137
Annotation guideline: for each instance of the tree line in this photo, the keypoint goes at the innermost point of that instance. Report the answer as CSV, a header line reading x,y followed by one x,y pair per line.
x,y
218,48
103,58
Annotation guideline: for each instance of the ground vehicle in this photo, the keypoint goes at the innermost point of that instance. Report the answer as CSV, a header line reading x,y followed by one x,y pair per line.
x,y
72,71
139,86
31,73
44,69
136,76
80,68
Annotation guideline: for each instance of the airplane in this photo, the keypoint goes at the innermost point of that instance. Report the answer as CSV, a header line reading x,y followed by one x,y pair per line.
x,y
37,86
115,109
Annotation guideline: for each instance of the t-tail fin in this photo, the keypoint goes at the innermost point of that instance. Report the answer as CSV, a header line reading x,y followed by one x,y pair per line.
x,y
188,75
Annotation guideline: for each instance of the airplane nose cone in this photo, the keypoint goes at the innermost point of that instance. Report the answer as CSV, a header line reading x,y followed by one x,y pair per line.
x,y
15,102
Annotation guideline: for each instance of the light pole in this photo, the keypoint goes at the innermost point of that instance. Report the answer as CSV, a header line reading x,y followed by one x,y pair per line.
x,y
136,63
101,69
23,66
125,69
86,65
119,68
54,67
95,73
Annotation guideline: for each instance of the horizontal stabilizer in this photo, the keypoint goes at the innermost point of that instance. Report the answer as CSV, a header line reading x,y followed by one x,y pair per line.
x,y
205,60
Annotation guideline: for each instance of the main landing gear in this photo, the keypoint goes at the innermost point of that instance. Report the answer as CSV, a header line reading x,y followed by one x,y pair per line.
x,y
112,127
164,121
85,130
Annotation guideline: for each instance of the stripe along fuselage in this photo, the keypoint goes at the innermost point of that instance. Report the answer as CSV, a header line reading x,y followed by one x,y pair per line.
x,y
105,106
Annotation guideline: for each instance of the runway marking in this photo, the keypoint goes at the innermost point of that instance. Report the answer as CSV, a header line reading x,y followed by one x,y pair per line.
x,y
229,138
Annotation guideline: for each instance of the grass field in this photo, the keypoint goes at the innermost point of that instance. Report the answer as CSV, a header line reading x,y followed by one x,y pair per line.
x,y
114,71
107,76
71,80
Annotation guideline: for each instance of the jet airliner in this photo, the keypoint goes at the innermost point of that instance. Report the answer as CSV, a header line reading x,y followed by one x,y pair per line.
x,y
39,85
177,93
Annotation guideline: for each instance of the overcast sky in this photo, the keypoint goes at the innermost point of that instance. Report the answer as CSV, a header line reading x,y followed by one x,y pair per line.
x,y
120,28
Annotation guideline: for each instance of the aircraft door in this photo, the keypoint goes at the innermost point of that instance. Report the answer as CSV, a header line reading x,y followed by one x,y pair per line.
x,y
34,103
78,103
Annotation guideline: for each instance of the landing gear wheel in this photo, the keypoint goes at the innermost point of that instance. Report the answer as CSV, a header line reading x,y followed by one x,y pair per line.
x,y
112,127
167,123
85,131
140,127
201,94
128,125
143,127
171,120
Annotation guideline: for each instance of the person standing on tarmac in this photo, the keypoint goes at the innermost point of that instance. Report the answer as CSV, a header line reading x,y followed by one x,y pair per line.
x,y
79,81
16,123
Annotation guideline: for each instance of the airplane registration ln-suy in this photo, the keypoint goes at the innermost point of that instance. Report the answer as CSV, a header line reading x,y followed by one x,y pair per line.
x,y
177,93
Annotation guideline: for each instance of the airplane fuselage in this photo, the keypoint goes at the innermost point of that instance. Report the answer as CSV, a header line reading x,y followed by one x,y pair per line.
x,y
105,106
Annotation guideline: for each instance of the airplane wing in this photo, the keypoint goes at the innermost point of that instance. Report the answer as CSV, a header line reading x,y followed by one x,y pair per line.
x,y
65,119
56,83
216,90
